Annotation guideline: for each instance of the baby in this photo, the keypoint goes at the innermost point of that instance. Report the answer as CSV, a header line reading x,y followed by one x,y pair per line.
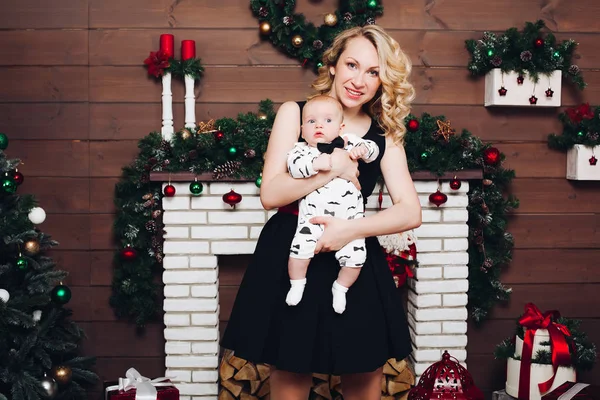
x,y
322,125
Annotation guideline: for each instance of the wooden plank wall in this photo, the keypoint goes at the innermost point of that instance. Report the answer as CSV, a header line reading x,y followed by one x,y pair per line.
x,y
75,100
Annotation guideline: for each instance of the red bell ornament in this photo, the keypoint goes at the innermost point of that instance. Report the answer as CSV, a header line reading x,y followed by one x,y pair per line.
x,y
446,380
438,198
455,184
232,198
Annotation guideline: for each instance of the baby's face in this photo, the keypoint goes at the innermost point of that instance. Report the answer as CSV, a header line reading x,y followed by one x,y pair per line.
x,y
322,122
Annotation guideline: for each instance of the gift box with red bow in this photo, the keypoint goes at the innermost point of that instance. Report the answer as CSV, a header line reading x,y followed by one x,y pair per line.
x,y
137,387
542,355
575,391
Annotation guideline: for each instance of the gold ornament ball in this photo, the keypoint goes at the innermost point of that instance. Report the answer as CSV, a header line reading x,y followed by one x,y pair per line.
x,y
186,134
261,115
331,19
265,28
297,41
62,374
31,247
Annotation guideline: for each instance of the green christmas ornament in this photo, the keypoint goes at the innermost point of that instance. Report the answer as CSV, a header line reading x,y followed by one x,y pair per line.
x,y
3,141
61,294
258,181
9,185
232,151
556,54
490,52
22,263
424,156
580,134
372,4
196,188
319,64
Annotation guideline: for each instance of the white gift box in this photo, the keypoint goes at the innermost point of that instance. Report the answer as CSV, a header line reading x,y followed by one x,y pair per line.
x,y
539,372
519,94
578,163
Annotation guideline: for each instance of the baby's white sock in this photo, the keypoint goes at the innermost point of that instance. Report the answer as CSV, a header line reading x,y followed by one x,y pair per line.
x,y
296,291
339,297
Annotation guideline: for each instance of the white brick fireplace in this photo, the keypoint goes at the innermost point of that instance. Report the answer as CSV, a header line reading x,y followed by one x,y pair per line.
x,y
200,228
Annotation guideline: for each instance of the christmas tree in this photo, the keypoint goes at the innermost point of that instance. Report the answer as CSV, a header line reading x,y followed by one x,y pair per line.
x,y
38,341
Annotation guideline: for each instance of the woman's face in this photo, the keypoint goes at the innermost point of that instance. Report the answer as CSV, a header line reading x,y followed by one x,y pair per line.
x,y
356,74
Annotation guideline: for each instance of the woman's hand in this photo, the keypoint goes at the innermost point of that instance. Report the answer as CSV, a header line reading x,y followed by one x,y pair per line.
x,y
336,233
344,167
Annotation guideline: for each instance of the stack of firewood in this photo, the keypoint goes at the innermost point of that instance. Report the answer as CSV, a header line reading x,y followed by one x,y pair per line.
x,y
243,380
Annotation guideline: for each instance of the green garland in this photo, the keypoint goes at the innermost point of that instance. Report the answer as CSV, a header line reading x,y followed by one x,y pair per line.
x,y
583,358
237,148
581,125
286,26
528,51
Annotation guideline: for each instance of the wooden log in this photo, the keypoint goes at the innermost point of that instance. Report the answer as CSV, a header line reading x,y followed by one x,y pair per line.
x,y
226,370
225,395
233,386
264,390
246,396
389,370
247,373
237,362
322,389
264,371
396,387
254,386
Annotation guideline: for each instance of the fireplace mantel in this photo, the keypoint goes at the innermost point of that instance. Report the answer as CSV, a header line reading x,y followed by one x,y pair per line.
x,y
200,228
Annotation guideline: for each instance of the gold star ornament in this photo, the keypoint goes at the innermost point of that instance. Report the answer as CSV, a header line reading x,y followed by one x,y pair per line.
x,y
206,127
444,129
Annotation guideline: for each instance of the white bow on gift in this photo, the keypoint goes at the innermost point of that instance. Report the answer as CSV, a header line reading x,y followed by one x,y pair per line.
x,y
145,388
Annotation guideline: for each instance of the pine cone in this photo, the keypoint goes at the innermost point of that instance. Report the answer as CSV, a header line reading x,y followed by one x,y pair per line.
x,y
226,169
151,226
250,153
156,213
156,240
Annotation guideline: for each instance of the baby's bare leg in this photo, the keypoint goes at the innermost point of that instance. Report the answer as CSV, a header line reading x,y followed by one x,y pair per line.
x,y
297,268
348,275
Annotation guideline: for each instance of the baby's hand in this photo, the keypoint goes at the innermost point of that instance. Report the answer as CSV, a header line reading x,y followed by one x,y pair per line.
x,y
358,152
322,163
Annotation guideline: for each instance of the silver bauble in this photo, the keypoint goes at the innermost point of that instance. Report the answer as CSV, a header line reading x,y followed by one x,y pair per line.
x,y
50,386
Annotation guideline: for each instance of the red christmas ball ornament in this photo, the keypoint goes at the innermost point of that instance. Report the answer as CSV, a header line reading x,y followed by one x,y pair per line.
x,y
491,156
169,190
18,177
413,125
455,184
539,42
219,135
232,198
438,198
128,253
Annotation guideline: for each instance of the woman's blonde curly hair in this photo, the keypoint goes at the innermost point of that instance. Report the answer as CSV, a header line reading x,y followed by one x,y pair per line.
x,y
392,101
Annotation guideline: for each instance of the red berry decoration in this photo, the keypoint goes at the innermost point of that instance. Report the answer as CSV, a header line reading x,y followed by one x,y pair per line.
x,y
491,156
413,125
219,135
18,177
169,190
232,198
128,253
438,198
539,42
455,184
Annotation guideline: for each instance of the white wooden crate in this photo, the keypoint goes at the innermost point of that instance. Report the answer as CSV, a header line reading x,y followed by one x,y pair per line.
x,y
578,163
519,94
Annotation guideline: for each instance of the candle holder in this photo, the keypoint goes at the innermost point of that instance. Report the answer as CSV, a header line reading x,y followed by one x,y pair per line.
x,y
190,102
167,108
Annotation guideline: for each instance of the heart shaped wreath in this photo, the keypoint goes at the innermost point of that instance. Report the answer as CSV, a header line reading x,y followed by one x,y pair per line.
x,y
292,34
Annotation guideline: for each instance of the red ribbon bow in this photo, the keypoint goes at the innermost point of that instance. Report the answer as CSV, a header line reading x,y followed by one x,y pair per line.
x,y
533,319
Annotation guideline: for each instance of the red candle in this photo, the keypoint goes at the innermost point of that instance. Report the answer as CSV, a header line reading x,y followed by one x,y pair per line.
x,y
167,44
188,49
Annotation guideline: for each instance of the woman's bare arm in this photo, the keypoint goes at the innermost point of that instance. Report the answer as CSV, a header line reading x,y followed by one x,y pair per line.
x,y
278,188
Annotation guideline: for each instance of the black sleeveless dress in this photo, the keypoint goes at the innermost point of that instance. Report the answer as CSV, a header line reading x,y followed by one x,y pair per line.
x,y
311,337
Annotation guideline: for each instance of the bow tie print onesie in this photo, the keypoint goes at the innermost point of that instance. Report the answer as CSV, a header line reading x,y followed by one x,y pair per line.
x,y
339,198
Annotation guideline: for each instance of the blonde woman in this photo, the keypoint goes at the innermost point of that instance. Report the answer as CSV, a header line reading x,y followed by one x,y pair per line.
x,y
367,72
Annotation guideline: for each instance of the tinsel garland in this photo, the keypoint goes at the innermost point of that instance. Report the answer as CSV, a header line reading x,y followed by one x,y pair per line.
x,y
286,26
529,51
138,223
581,125
583,358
